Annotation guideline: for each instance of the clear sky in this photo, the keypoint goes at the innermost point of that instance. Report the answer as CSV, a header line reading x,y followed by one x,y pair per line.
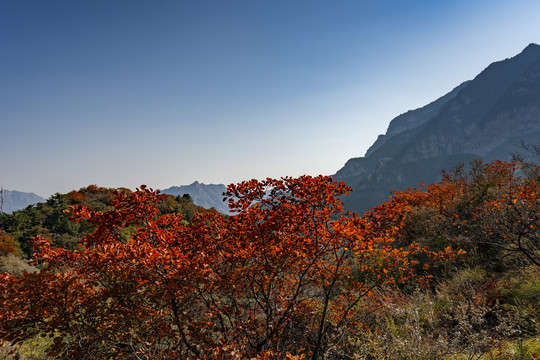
x,y
122,93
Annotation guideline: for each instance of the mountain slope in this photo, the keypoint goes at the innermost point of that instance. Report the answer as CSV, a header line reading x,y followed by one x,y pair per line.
x,y
205,195
414,118
15,200
484,118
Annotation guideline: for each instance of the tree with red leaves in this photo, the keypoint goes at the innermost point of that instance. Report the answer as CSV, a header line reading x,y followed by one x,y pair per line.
x,y
283,276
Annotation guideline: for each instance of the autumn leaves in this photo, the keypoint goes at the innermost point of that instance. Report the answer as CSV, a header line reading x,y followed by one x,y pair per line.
x,y
282,277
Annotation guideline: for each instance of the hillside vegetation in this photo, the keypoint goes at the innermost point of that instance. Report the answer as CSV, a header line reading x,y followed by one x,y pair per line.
x,y
51,220
445,271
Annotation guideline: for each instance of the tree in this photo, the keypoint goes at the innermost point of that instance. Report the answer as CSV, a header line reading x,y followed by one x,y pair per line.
x,y
282,276
8,245
509,219
491,210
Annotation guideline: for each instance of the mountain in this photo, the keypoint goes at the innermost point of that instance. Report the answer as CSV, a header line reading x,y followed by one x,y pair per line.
x,y
17,200
414,118
485,118
205,195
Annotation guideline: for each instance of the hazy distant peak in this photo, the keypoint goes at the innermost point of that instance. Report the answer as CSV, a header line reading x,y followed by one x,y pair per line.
x,y
205,195
14,200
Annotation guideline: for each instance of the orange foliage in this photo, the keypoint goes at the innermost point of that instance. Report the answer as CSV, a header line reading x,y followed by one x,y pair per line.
x,y
492,207
280,279
7,244
511,220
75,196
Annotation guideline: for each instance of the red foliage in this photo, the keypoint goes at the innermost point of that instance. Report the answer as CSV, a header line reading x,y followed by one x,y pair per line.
x,y
282,276
7,244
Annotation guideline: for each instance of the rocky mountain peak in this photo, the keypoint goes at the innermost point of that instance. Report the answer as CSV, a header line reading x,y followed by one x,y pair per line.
x,y
483,118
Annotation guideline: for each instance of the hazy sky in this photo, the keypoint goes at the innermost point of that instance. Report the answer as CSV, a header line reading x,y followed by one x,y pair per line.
x,y
163,93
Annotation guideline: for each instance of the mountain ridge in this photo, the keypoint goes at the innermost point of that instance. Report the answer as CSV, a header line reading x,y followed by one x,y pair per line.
x,y
14,200
414,118
482,118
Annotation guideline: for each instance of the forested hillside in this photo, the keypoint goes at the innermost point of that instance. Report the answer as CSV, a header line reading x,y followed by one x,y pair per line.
x,y
49,219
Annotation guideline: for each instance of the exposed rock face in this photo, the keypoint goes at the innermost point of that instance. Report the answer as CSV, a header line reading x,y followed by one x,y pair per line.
x,y
414,118
207,196
483,118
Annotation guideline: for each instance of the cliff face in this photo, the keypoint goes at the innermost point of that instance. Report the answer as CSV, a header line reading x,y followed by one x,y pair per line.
x,y
414,118
483,118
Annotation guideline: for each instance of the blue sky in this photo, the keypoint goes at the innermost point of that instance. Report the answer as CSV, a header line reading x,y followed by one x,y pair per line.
x,y
163,93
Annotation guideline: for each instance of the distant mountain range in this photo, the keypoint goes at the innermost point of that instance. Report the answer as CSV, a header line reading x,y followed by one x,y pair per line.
x,y
485,118
205,195
16,200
